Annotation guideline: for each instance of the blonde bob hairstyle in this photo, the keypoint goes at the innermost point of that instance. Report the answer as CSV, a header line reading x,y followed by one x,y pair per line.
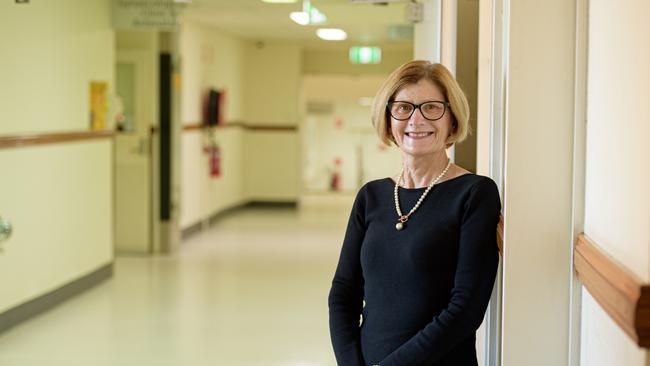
x,y
411,73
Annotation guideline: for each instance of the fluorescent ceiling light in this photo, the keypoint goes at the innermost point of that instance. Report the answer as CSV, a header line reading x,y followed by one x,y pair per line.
x,y
308,15
299,17
331,34
315,15
280,1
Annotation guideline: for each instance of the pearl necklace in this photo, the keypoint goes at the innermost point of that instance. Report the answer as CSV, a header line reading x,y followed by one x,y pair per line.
x,y
403,218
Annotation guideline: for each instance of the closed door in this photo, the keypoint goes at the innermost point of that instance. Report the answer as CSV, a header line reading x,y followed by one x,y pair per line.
x,y
133,157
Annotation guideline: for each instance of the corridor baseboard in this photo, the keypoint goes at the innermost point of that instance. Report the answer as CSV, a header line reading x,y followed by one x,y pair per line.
x,y
200,225
275,204
43,303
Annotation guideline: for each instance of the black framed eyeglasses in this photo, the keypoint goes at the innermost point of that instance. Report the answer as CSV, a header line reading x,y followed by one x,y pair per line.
x,y
432,111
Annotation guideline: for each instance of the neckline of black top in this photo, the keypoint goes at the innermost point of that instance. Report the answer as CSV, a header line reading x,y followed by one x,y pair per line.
x,y
392,182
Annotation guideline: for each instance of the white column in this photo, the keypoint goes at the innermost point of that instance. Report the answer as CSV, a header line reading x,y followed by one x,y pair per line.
x,y
448,34
538,182
426,38
617,173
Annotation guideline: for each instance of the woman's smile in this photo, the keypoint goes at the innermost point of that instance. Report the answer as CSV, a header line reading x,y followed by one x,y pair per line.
x,y
418,135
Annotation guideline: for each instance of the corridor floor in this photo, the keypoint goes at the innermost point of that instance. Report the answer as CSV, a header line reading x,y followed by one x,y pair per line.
x,y
251,290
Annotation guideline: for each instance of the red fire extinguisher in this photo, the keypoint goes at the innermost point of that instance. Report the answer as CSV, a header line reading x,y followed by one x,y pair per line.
x,y
214,159
335,184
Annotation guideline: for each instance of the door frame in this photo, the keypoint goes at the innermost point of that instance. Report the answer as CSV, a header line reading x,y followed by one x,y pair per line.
x,y
142,120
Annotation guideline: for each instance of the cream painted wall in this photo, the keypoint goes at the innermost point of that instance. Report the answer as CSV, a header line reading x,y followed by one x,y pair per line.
x,y
538,183
204,195
271,165
50,53
262,82
59,200
211,58
427,42
58,197
335,61
617,200
272,98
271,78
355,142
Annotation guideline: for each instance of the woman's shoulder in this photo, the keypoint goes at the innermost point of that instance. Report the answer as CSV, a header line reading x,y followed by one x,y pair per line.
x,y
375,188
465,177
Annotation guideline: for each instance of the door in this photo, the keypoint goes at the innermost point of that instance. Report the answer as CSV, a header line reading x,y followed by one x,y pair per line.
x,y
132,156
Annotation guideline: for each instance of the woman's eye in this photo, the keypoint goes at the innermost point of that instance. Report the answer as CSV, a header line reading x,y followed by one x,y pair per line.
x,y
433,107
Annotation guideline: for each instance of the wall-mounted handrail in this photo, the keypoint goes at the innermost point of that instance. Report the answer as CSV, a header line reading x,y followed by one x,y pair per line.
x,y
245,126
623,295
14,141
500,235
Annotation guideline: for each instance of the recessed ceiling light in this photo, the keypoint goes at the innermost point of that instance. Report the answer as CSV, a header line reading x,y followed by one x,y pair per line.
x,y
299,17
331,34
308,15
280,1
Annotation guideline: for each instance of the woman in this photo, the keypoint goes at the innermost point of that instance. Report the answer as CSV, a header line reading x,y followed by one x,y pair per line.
x,y
419,256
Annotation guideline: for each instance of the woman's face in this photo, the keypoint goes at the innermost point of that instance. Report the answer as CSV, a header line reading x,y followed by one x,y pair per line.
x,y
418,136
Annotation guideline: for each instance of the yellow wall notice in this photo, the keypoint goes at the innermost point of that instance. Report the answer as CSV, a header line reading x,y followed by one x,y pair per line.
x,y
98,104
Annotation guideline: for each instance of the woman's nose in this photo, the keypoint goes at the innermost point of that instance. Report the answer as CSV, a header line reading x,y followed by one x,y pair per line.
x,y
417,116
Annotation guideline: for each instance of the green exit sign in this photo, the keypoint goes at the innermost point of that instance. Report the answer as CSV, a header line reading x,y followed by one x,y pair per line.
x,y
365,55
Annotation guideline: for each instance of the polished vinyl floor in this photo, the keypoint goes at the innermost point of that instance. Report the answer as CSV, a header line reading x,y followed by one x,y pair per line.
x,y
250,290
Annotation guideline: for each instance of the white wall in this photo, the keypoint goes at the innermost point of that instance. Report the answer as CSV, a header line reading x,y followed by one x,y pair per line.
x,y
355,142
272,99
538,182
271,166
58,197
617,200
427,35
211,58
272,83
59,200
203,195
335,61
50,53
262,90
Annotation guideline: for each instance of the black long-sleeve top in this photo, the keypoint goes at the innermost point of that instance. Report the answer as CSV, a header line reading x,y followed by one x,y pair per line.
x,y
421,292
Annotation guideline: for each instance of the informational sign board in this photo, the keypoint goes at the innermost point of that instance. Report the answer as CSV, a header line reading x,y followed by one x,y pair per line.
x,y
146,14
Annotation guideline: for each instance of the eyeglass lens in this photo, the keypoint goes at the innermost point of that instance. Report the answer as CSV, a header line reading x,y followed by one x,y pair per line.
x,y
429,110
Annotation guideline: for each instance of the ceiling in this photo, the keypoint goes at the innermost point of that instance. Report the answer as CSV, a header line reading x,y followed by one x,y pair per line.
x,y
253,19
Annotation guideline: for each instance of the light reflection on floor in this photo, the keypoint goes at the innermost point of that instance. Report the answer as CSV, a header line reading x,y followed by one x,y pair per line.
x,y
251,290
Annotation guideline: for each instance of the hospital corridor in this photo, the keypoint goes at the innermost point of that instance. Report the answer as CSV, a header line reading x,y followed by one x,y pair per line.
x,y
251,290
324,183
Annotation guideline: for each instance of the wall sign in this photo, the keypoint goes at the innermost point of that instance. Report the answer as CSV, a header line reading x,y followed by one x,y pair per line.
x,y
146,14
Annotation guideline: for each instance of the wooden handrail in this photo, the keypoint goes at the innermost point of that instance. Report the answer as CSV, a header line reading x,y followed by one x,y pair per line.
x,y
198,126
623,295
15,141
500,235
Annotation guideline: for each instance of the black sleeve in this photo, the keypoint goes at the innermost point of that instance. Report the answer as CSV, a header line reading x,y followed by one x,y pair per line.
x,y
478,259
346,294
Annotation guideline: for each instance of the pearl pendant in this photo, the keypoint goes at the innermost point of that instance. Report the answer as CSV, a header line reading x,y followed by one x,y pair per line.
x,y
399,226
